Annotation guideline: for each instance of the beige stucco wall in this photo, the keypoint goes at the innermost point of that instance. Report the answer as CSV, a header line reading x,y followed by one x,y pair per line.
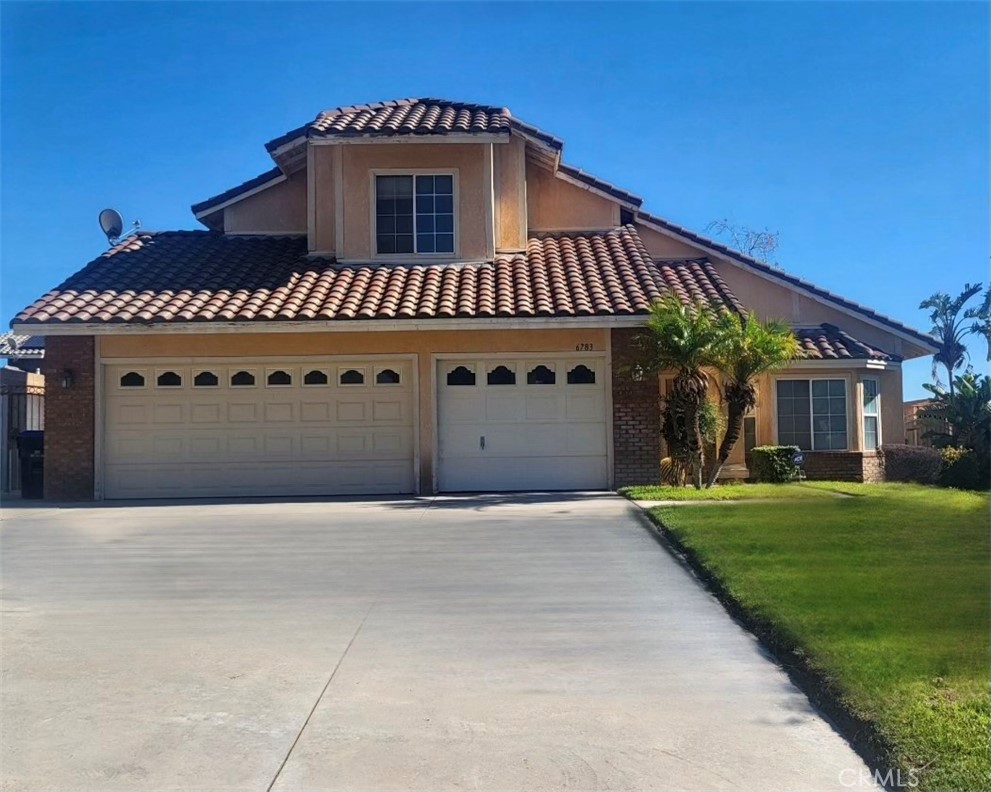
x,y
473,210
662,246
509,167
322,161
423,344
554,204
771,300
277,209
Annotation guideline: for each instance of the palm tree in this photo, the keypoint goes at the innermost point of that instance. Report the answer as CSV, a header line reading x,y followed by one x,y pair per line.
x,y
949,329
982,313
683,338
748,347
963,418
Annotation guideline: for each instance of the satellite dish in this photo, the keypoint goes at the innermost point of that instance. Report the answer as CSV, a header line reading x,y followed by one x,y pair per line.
x,y
112,224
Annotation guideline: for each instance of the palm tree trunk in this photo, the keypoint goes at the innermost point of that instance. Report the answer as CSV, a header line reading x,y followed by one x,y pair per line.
x,y
734,429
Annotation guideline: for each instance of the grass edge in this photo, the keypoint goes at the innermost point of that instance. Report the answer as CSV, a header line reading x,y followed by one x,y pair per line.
x,y
863,735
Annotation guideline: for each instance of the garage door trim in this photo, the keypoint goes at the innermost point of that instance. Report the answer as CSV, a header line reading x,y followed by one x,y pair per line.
x,y
437,358
102,364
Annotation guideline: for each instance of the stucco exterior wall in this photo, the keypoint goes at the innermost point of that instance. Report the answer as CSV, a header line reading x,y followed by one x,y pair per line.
x,y
509,165
473,202
661,246
424,344
322,162
277,209
771,300
555,205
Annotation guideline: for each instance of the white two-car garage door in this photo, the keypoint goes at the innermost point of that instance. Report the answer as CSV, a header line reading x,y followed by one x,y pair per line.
x,y
522,424
241,428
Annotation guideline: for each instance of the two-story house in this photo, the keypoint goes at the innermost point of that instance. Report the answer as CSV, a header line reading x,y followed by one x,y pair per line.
x,y
421,296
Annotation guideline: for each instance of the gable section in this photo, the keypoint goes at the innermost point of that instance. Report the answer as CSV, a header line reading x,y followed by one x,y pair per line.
x,y
277,209
661,246
554,204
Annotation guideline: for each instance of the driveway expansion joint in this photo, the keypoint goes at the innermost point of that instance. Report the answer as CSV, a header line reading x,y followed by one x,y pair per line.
x,y
316,703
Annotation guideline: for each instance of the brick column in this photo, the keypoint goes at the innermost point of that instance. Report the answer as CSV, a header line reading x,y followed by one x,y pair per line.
x,y
69,418
636,415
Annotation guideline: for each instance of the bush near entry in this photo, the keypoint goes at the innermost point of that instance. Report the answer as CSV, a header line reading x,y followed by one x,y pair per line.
x,y
774,464
918,464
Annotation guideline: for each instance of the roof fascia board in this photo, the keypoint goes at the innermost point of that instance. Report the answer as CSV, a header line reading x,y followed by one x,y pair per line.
x,y
830,363
246,194
582,185
334,325
740,263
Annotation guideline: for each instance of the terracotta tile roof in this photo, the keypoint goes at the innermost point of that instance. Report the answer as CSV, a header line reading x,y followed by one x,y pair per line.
x,y
774,272
199,276
413,116
828,342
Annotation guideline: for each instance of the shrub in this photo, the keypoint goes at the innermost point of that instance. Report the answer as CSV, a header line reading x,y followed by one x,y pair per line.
x,y
774,464
920,464
962,469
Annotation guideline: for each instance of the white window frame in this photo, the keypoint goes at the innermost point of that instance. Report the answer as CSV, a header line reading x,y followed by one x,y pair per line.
x,y
373,213
812,434
876,415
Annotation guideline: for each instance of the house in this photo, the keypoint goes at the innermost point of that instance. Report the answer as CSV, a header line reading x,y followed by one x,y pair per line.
x,y
421,296
22,401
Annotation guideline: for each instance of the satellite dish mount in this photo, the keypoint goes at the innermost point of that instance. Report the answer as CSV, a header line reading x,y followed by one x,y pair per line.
x,y
112,224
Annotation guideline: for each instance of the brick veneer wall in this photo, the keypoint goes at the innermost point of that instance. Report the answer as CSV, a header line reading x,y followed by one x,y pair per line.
x,y
636,417
69,416
843,466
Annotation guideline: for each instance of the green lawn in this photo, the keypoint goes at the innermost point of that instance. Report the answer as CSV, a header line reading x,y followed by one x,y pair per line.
x,y
886,595
806,490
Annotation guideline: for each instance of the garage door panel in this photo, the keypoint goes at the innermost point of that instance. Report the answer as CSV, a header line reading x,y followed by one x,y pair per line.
x,y
263,439
536,436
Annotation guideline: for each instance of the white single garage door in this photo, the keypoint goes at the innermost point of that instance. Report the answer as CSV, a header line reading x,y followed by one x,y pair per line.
x,y
509,424
258,428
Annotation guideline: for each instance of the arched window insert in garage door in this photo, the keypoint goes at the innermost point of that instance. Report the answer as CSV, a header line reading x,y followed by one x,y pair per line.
x,y
541,375
501,375
581,375
461,375
206,379
168,379
132,379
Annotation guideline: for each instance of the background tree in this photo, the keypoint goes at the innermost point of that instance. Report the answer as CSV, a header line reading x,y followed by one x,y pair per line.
x,y
747,348
945,314
759,244
982,313
961,418
682,338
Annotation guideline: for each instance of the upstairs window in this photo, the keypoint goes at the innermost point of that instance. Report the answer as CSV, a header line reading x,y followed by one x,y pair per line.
x,y
414,214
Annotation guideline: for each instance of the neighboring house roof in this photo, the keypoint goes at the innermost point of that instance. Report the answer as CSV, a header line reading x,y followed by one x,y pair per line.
x,y
201,276
414,116
828,342
20,346
775,273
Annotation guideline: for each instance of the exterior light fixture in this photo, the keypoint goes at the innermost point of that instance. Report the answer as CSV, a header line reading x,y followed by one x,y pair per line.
x,y
67,378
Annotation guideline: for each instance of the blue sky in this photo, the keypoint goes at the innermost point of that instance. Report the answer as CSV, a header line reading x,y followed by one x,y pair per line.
x,y
858,131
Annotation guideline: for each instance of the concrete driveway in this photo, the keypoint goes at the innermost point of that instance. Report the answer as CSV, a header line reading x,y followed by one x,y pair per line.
x,y
490,643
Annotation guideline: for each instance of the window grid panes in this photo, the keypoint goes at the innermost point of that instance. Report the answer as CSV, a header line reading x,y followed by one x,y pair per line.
x,y
871,415
414,214
812,414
